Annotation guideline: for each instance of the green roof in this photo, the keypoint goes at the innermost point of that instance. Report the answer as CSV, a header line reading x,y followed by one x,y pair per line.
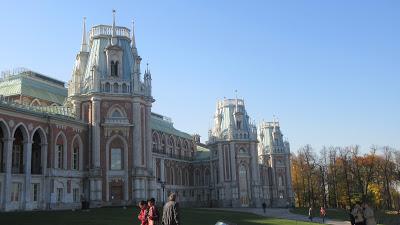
x,y
165,125
29,86
202,153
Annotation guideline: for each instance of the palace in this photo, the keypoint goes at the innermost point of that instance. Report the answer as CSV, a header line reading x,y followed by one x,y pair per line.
x,y
99,141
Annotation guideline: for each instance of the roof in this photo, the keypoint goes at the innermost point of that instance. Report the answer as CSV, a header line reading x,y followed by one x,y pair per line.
x,y
26,85
164,124
202,153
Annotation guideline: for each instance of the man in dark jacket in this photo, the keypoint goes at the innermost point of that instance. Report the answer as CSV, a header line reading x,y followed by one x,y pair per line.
x,y
171,211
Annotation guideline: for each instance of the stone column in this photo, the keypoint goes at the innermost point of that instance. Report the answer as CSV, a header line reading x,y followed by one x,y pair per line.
x,y
27,170
255,175
138,178
254,163
162,170
96,132
77,106
221,163
137,146
233,161
95,179
8,143
148,151
45,196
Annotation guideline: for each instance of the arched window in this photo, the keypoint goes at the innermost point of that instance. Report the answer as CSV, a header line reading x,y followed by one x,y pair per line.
x,y
116,159
114,68
171,145
60,150
75,158
116,114
280,180
36,154
163,145
76,153
107,87
17,151
115,87
155,142
124,88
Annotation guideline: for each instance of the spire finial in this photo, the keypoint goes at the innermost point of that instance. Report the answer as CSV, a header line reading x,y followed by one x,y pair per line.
x,y
114,40
84,44
133,34
113,26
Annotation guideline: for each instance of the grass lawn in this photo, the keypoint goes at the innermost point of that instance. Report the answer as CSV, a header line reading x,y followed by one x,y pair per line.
x,y
119,216
382,217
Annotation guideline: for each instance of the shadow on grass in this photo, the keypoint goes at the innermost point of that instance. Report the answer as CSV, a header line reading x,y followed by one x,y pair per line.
x,y
120,216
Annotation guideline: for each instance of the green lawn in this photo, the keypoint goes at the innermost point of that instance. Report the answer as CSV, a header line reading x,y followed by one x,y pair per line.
x,y
119,216
382,217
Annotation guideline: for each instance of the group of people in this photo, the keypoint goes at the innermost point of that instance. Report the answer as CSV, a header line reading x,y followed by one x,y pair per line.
x,y
322,214
149,214
362,214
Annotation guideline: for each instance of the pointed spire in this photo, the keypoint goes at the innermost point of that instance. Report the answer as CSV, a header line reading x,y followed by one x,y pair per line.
x,y
84,44
113,26
133,35
113,37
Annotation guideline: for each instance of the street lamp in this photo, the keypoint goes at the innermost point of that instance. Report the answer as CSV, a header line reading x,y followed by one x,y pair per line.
x,y
162,183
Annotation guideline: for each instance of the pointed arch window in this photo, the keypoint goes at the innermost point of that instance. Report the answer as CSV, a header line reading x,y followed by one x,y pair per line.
x,y
116,114
107,87
116,88
114,68
75,158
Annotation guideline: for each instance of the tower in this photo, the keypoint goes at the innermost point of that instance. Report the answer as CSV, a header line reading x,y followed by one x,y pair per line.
x,y
274,158
234,140
108,92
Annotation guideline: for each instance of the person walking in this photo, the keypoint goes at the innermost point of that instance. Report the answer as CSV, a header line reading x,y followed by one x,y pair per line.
x,y
368,213
351,216
322,213
264,206
143,213
358,215
153,216
310,214
171,211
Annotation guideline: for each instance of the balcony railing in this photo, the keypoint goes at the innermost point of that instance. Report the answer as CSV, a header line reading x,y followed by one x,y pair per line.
x,y
106,30
172,155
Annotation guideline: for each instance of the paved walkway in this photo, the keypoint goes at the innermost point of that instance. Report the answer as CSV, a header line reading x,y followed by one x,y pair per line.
x,y
282,214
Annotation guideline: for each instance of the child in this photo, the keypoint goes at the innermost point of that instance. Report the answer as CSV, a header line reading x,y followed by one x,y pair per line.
x,y
153,217
143,213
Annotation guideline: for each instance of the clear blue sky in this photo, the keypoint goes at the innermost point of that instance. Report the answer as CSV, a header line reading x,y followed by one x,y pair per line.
x,y
329,70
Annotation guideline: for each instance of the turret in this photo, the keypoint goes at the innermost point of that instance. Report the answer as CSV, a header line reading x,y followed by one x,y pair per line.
x,y
231,122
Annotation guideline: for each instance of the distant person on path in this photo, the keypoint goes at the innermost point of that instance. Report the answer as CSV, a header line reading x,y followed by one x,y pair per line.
x,y
264,206
358,215
143,213
322,213
369,215
310,214
351,217
171,211
153,216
